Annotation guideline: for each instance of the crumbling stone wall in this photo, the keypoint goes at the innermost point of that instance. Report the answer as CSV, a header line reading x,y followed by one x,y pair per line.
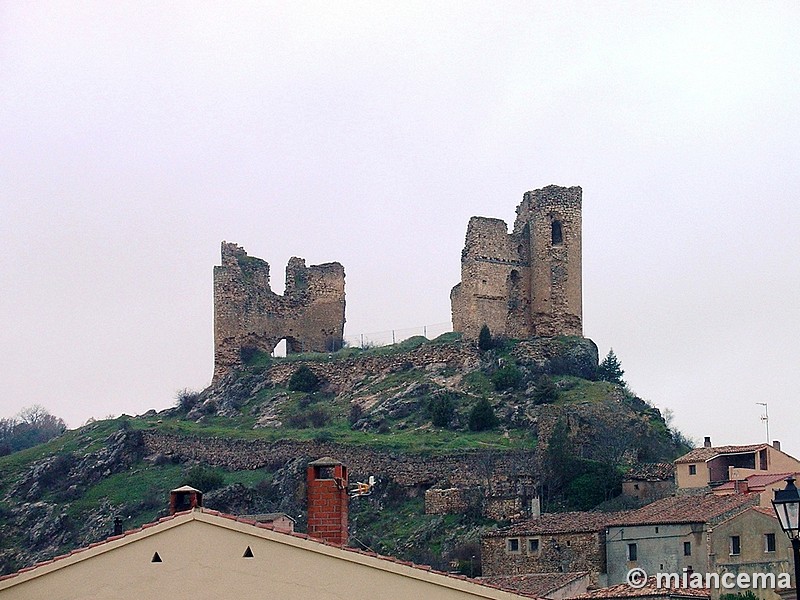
x,y
249,315
500,508
528,282
453,501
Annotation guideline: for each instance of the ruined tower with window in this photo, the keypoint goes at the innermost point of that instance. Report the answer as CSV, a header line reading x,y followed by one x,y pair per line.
x,y
526,283
249,316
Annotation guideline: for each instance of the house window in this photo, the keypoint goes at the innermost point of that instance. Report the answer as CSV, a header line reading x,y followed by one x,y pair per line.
x,y
687,548
512,544
736,546
692,469
533,545
632,552
769,542
656,529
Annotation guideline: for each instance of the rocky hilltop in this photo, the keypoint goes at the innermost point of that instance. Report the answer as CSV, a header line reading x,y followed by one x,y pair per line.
x,y
495,427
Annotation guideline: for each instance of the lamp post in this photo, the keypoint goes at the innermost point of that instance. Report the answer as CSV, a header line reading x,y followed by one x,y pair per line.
x,y
787,509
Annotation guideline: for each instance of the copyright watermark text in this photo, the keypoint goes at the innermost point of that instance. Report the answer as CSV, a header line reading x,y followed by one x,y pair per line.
x,y
638,578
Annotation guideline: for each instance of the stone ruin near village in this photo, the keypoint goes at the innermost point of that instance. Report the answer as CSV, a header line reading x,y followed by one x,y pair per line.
x,y
249,316
526,283
522,284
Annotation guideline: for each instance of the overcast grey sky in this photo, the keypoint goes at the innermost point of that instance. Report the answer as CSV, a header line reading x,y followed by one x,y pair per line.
x,y
136,136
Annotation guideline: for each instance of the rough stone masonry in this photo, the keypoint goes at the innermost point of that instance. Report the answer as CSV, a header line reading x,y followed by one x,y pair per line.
x,y
249,316
526,283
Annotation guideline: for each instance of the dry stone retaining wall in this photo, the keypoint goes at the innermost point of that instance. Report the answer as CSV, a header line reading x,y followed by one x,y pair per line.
x,y
463,469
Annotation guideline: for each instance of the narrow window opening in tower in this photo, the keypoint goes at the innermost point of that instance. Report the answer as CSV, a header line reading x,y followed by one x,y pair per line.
x,y
557,233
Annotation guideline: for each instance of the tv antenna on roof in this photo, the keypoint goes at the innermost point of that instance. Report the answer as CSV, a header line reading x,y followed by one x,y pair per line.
x,y
765,417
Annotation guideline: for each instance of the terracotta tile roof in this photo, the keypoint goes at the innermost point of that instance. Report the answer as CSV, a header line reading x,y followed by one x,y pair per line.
x,y
566,522
770,512
651,472
686,509
623,590
269,527
536,584
704,454
757,482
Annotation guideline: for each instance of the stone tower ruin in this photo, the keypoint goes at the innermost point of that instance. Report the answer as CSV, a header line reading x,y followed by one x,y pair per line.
x,y
249,316
526,283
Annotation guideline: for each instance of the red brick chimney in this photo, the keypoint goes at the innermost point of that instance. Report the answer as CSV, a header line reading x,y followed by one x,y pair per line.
x,y
184,498
327,500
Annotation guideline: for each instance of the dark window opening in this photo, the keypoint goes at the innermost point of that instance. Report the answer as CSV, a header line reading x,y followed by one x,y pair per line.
x,y
533,545
557,233
692,469
513,545
687,548
569,543
248,553
632,552
156,558
736,545
656,529
769,542
325,472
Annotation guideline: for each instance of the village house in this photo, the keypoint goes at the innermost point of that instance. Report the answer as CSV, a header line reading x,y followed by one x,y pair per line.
x,y
707,467
668,535
551,543
751,542
647,482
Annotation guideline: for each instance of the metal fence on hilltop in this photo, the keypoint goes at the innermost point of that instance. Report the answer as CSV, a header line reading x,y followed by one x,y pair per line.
x,y
389,337
395,336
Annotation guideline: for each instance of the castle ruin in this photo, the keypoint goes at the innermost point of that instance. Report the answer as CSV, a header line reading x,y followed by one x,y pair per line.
x,y
526,283
249,316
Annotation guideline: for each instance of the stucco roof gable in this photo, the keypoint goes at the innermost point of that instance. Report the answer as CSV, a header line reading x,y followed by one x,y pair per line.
x,y
251,527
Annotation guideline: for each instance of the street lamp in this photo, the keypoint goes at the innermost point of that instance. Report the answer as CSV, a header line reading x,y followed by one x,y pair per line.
x,y
787,509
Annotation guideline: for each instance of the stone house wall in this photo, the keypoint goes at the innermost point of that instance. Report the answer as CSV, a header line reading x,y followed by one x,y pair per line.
x,y
561,552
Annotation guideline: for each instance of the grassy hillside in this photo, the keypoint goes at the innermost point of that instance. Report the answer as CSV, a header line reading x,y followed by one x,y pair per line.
x,y
414,399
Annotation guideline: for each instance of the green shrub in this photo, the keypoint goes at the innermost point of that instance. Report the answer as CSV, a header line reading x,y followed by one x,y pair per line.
x,y
356,412
442,409
323,436
203,478
482,416
507,377
186,399
318,417
545,392
304,380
